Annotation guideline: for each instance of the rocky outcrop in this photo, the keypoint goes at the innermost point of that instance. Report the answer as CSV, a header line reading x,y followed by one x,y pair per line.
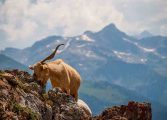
x,y
21,99
132,111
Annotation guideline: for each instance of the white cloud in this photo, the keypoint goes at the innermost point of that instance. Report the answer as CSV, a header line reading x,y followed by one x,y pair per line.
x,y
143,14
24,20
27,20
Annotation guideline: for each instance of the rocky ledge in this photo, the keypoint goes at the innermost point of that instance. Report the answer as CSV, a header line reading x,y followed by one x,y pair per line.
x,y
21,99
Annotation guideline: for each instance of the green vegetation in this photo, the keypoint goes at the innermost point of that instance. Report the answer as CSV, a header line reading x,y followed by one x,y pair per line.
x,y
34,86
110,92
31,114
24,87
45,96
17,108
100,94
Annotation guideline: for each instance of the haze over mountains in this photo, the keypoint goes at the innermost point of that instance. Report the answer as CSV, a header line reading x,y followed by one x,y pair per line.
x,y
8,63
144,34
137,66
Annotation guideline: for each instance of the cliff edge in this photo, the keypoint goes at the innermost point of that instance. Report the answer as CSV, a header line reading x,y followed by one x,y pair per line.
x,y
21,99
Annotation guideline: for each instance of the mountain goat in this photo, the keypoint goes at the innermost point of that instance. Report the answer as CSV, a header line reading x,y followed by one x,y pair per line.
x,y
60,74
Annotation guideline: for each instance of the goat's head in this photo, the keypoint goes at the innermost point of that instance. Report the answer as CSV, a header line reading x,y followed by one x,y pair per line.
x,y
41,72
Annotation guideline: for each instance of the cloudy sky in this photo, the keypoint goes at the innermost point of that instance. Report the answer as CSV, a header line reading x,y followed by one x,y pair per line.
x,y
22,22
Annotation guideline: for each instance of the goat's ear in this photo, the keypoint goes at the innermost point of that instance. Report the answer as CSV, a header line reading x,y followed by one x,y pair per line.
x,y
31,67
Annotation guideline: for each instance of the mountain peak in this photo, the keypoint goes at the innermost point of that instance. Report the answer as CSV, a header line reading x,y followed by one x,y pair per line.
x,y
111,29
110,26
144,34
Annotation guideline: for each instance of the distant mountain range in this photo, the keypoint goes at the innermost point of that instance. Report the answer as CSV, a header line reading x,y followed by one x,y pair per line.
x,y
143,34
8,63
100,95
111,56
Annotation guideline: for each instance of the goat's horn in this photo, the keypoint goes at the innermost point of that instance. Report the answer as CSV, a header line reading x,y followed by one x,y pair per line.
x,y
51,55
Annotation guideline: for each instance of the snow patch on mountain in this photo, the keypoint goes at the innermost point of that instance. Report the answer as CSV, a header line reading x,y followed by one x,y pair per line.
x,y
121,53
132,42
87,38
62,48
67,44
146,49
159,55
80,46
58,41
90,54
129,58
47,46
77,38
80,64
139,46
